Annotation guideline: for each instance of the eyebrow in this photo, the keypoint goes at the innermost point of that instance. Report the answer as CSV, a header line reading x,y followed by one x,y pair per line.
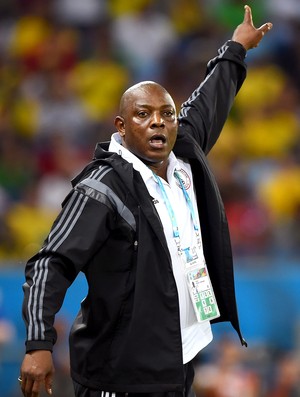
x,y
148,106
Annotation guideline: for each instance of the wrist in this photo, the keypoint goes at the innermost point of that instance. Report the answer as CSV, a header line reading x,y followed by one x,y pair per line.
x,y
238,48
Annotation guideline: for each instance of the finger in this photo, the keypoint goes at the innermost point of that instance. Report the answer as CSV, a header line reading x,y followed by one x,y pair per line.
x,y
266,27
248,15
48,385
36,387
23,385
27,385
30,387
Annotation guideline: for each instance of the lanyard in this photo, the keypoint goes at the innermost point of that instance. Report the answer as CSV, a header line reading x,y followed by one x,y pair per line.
x,y
169,207
171,212
195,270
189,202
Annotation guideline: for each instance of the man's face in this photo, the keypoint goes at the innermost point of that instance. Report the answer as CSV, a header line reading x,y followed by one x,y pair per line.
x,y
149,124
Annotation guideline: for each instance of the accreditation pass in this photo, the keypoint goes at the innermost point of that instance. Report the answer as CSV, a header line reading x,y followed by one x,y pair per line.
x,y
201,292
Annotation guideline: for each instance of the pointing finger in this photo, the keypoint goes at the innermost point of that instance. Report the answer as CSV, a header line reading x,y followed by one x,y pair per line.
x,y
248,15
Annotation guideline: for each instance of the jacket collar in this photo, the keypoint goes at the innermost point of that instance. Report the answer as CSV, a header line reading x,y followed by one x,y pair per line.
x,y
135,185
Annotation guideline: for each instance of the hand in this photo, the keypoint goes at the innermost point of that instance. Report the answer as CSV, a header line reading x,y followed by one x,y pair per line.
x,y
246,33
37,370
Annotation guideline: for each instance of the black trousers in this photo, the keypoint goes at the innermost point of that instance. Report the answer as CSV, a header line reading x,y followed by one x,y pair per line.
x,y
82,391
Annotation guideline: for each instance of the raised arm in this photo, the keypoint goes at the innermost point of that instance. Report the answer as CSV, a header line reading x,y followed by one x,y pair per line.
x,y
204,114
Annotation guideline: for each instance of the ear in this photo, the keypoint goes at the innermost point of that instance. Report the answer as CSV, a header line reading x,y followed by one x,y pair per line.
x,y
120,125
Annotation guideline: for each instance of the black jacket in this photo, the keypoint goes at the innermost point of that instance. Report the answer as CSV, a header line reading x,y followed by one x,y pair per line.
x,y
126,336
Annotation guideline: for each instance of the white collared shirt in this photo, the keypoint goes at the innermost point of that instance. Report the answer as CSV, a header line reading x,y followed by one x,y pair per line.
x,y
195,335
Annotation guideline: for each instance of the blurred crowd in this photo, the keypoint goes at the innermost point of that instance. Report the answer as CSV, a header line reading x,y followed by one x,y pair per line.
x,y
226,370
64,65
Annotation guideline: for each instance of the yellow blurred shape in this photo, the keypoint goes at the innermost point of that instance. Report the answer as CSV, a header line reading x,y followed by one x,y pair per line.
x,y
272,136
262,86
281,193
99,86
30,32
119,7
29,226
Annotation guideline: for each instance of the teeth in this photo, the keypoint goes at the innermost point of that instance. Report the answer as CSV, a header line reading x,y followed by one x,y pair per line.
x,y
158,140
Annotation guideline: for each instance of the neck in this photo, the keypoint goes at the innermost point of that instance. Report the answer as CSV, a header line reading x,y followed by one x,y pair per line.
x,y
160,169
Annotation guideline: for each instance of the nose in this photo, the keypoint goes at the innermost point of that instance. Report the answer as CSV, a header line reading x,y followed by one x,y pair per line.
x,y
157,120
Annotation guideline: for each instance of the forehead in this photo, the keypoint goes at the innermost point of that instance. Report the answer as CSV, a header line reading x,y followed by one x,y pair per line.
x,y
152,95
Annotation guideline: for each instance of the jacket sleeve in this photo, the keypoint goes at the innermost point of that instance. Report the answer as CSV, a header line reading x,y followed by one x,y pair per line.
x,y
204,114
74,238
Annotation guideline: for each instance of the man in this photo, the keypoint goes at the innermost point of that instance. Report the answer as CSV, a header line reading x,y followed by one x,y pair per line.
x,y
146,225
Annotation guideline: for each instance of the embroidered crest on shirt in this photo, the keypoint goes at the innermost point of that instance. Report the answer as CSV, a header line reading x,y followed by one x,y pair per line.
x,y
186,180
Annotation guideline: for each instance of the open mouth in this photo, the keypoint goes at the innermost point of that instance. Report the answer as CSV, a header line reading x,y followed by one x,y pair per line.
x,y
158,140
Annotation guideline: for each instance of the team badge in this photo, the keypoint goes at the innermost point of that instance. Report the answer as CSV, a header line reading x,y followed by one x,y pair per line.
x,y
186,180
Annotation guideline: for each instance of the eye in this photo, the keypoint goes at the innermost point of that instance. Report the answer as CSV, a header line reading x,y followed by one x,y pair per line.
x,y
142,114
169,113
